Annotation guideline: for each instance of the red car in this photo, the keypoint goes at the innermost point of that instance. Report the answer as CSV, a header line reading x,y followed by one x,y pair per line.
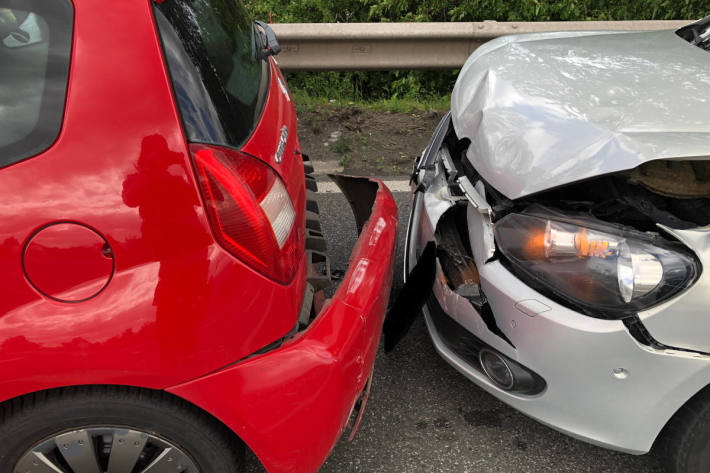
x,y
160,248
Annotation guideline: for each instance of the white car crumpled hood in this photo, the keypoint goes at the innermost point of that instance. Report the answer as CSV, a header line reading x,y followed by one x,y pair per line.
x,y
544,110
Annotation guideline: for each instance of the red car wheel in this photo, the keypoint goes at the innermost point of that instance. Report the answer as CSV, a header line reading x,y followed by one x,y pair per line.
x,y
114,430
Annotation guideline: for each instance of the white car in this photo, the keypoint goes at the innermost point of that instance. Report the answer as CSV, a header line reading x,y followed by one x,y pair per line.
x,y
559,229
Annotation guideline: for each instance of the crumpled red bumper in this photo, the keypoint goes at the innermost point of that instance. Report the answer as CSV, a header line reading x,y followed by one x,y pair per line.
x,y
291,405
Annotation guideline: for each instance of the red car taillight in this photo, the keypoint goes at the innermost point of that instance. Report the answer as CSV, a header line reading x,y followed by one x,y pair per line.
x,y
250,210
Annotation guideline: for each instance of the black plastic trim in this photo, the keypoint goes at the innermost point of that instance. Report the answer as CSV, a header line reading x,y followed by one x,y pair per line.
x,y
467,346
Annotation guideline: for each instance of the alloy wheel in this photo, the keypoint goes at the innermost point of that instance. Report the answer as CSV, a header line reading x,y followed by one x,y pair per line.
x,y
105,450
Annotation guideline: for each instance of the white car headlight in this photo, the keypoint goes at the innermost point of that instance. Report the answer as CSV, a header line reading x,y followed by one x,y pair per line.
x,y
604,270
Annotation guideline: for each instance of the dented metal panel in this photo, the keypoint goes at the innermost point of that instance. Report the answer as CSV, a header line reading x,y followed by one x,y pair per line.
x,y
544,110
480,226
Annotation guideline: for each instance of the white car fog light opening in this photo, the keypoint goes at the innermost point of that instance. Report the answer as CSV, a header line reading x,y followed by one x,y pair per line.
x,y
497,369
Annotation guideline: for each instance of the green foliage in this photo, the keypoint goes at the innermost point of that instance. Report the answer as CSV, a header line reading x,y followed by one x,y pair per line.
x,y
305,102
424,85
309,11
323,11
360,86
342,146
574,10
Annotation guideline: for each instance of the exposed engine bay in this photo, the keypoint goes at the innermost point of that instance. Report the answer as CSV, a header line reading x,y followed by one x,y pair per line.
x,y
697,33
667,192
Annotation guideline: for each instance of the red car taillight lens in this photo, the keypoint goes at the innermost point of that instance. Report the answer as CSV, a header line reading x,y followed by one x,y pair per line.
x,y
249,210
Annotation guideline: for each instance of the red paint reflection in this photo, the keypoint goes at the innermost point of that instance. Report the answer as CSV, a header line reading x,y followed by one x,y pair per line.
x,y
172,230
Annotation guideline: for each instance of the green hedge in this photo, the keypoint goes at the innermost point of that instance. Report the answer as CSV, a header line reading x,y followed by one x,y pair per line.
x,y
420,84
328,11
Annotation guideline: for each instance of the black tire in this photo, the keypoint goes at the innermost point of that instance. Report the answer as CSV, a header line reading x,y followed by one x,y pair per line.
x,y
684,444
27,421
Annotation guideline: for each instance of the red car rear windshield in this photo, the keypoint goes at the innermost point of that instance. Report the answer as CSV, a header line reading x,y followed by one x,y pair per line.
x,y
219,87
35,47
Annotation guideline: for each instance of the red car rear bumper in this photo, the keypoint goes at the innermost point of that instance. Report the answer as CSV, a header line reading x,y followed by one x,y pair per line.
x,y
291,405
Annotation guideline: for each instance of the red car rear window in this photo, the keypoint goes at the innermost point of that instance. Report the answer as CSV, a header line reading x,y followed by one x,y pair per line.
x,y
35,48
219,86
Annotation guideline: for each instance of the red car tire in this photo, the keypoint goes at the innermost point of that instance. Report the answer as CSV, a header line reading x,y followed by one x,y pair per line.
x,y
88,429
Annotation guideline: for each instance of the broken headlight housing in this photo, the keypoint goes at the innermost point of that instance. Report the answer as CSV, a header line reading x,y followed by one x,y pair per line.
x,y
602,269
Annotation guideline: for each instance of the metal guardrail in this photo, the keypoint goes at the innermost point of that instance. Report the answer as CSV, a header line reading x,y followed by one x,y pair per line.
x,y
389,46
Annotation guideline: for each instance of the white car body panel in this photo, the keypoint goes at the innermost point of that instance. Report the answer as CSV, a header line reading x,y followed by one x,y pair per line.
x,y
545,110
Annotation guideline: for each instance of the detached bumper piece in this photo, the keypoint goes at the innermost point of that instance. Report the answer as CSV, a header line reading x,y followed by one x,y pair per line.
x,y
408,305
458,271
296,401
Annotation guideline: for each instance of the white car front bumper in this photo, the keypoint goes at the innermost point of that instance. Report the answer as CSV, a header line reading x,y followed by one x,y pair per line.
x,y
601,384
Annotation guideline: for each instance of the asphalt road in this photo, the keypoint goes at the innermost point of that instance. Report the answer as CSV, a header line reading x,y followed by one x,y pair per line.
x,y
425,417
